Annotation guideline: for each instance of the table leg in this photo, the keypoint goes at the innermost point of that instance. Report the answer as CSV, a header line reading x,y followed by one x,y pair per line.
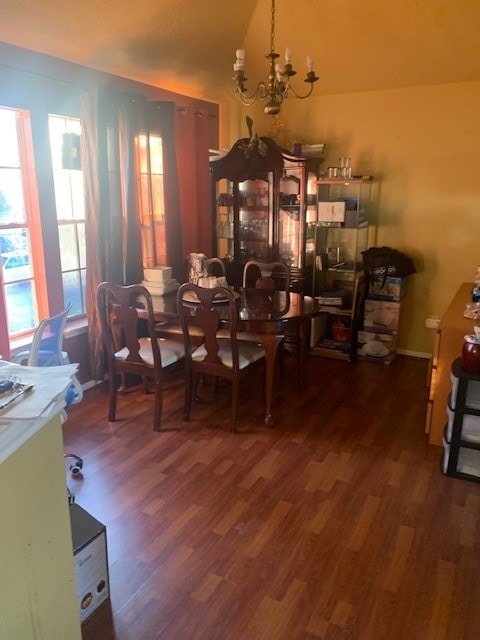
x,y
270,342
303,335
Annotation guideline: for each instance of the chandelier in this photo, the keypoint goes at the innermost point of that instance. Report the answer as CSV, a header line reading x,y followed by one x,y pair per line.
x,y
278,86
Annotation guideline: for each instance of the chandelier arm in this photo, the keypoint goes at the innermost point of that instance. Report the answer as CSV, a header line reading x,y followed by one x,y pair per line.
x,y
259,94
290,88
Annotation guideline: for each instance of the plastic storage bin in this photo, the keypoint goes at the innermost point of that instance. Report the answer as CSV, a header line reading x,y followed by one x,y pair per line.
x,y
473,394
461,436
468,460
470,427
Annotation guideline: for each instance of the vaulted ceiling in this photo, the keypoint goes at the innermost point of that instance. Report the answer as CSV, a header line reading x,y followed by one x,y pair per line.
x,y
189,45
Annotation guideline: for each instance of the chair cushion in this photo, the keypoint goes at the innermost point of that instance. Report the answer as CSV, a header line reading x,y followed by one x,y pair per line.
x,y
171,351
248,353
248,336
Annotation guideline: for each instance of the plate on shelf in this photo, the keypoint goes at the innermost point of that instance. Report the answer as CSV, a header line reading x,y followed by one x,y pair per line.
x,y
312,150
376,349
189,296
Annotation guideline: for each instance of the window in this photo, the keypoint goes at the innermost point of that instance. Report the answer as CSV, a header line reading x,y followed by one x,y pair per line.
x,y
151,208
23,259
20,235
70,206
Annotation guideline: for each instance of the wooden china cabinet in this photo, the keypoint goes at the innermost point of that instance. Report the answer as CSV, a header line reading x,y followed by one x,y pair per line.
x,y
260,197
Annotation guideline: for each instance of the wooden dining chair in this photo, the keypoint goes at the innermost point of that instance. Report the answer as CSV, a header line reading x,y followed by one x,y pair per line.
x,y
127,352
273,276
215,267
220,357
266,275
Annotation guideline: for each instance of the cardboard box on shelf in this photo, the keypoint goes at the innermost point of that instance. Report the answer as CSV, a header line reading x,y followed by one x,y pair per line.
x,y
377,347
389,288
381,315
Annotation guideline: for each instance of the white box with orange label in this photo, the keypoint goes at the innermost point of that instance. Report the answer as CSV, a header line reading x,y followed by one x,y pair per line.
x,y
90,561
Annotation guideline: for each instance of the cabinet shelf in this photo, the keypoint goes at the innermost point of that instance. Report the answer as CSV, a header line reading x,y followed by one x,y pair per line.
x,y
330,351
336,238
352,180
292,210
335,311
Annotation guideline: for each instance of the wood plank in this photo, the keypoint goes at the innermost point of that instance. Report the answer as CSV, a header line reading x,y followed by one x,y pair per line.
x,y
336,523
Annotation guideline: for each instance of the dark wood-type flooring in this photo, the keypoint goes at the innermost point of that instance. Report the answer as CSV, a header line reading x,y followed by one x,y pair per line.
x,y
336,524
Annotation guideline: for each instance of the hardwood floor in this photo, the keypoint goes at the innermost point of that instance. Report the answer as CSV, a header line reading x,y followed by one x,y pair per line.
x,y
334,524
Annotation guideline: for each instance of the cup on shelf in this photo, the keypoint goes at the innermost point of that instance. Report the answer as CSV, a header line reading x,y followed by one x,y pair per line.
x,y
345,167
333,172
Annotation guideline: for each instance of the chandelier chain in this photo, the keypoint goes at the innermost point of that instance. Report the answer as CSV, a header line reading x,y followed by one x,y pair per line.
x,y
272,29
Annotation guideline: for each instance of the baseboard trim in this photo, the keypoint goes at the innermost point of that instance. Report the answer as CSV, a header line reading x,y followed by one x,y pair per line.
x,y
414,354
90,384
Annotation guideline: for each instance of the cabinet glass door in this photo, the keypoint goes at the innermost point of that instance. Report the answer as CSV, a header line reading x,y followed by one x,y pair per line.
x,y
290,219
310,225
224,220
311,204
255,224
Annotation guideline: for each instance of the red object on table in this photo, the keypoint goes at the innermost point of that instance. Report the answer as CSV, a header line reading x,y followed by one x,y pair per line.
x,y
471,356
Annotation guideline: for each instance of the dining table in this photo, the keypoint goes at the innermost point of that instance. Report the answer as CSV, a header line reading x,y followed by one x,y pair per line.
x,y
269,314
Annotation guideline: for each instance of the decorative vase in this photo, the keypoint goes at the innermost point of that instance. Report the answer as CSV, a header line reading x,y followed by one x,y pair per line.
x,y
471,355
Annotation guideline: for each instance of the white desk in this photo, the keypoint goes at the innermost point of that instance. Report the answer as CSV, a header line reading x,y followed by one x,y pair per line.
x,y
37,586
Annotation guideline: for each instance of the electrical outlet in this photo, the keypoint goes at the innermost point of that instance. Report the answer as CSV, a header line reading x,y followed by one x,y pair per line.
x,y
432,323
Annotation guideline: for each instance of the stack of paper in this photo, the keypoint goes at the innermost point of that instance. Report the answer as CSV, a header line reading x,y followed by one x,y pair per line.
x,y
159,281
158,274
161,288
48,384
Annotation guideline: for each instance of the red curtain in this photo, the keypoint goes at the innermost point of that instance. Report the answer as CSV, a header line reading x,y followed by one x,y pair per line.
x,y
202,166
192,128
163,119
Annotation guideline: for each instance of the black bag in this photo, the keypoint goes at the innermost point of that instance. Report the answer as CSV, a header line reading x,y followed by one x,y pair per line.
x,y
387,262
